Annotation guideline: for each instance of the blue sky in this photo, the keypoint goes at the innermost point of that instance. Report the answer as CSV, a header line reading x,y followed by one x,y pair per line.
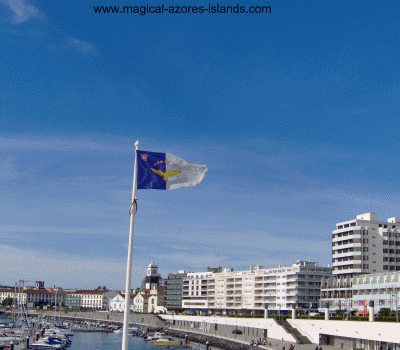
x,y
295,113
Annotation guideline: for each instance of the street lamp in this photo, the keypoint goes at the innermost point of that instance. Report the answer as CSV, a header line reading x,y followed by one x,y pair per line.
x,y
394,298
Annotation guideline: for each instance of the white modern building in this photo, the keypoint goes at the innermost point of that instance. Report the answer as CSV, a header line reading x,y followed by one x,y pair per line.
x,y
366,245
361,246
277,289
355,294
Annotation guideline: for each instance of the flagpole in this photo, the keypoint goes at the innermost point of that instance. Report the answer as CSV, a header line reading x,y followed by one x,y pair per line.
x,y
129,262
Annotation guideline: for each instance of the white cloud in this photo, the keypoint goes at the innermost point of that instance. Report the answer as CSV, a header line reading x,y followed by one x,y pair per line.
x,y
8,168
53,144
22,10
82,46
61,269
93,230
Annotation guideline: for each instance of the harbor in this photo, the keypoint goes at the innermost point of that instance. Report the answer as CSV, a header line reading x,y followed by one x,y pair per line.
x,y
219,333
42,332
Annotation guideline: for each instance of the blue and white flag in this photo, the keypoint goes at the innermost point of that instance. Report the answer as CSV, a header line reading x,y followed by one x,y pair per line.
x,y
165,171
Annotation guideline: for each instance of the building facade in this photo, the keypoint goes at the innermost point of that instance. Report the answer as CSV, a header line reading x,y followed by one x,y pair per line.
x,y
173,291
88,299
277,289
354,294
117,303
360,246
32,298
366,245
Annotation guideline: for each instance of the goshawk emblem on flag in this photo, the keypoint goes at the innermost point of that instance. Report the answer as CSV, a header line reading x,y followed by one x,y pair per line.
x,y
165,171
168,173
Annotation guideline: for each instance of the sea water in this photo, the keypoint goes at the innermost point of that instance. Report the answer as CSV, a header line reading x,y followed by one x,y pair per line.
x,y
107,341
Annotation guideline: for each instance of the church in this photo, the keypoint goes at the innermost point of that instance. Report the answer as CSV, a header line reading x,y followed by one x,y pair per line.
x,y
150,299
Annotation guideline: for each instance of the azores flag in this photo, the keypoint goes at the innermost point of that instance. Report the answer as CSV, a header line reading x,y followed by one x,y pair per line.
x,y
164,171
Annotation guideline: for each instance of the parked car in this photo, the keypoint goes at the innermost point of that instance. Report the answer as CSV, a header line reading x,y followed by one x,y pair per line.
x,y
313,314
237,331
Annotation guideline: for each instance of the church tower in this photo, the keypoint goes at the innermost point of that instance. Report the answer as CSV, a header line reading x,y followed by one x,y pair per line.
x,y
152,276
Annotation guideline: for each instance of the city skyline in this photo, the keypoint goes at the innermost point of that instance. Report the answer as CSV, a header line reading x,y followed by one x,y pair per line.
x,y
293,112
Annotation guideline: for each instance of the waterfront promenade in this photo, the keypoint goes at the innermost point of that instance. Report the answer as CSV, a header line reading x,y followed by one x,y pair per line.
x,y
220,339
218,331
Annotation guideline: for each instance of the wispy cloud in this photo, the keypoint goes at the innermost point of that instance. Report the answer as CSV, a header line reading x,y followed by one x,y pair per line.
x,y
53,144
22,10
56,268
33,229
82,46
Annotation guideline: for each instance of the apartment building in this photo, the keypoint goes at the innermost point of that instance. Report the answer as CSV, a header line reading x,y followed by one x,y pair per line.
x,y
359,247
277,289
173,290
366,245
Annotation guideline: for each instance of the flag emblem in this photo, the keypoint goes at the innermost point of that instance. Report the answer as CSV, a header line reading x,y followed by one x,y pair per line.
x,y
165,171
166,174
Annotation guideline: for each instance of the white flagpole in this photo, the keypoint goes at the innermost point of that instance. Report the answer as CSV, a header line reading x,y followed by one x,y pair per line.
x,y
129,262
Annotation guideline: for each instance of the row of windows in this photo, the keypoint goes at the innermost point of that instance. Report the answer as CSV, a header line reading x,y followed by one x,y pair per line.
x,y
391,259
391,251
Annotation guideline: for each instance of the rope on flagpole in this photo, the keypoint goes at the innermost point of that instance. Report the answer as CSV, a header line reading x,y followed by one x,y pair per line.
x,y
134,203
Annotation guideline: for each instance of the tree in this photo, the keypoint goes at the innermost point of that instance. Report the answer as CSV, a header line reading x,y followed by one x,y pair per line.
x,y
384,312
7,302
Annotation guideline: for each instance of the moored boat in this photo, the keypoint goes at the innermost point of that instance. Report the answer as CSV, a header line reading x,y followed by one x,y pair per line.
x,y
166,341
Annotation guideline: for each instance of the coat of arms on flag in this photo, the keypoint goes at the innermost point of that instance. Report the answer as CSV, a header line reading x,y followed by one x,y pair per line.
x,y
165,171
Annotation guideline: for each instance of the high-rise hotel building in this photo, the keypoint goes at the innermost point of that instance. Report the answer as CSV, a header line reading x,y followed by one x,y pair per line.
x,y
366,245
360,246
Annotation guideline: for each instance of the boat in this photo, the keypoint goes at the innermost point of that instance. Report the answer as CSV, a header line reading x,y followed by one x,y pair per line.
x,y
48,343
166,341
7,339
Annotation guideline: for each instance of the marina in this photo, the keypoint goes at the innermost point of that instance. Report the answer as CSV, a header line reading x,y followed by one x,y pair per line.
x,y
43,334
